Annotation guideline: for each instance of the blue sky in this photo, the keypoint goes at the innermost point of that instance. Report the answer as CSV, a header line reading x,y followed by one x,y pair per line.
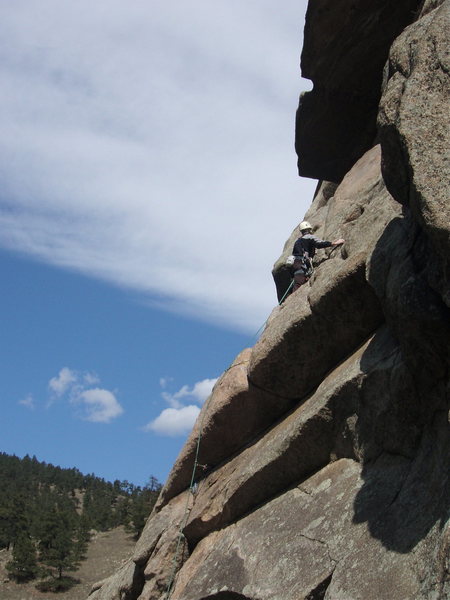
x,y
148,183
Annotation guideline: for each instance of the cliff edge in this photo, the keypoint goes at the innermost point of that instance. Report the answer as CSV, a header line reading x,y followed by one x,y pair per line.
x,y
319,465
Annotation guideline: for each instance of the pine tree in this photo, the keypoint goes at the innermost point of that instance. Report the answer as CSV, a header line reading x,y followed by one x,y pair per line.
x,y
82,537
23,565
40,513
57,545
143,500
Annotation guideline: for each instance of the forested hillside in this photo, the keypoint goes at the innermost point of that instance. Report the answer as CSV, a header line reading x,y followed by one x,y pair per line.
x,y
47,515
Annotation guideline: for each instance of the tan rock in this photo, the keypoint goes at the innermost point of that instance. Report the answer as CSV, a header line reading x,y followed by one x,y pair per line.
x,y
170,517
299,444
233,415
158,551
343,418
346,532
162,548
169,555
228,392
269,555
291,357
127,582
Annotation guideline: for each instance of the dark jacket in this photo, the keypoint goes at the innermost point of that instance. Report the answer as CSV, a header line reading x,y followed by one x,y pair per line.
x,y
307,244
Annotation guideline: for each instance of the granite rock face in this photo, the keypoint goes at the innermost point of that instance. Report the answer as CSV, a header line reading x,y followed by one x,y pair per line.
x,y
324,458
415,132
346,44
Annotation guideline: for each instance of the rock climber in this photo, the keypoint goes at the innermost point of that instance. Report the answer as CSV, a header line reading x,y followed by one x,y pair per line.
x,y
304,251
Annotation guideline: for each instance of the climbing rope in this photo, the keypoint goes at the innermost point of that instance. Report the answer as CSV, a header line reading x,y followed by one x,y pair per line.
x,y
279,304
191,492
286,293
187,510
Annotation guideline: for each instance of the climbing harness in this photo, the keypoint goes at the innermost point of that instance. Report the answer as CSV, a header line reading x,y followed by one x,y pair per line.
x,y
304,265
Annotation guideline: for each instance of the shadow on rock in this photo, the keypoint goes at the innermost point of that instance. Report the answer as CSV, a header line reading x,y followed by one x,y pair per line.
x,y
403,427
403,500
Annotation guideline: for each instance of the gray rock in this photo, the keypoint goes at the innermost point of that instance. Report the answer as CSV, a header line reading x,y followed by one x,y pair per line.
x,y
346,44
415,130
430,5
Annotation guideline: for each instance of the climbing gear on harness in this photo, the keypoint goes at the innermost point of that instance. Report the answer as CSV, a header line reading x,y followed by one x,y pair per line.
x,y
303,266
303,270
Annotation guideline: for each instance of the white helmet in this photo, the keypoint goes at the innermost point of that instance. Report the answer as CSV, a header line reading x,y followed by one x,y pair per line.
x,y
304,225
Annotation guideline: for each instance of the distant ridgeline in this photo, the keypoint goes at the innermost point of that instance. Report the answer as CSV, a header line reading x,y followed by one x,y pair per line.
x,y
47,514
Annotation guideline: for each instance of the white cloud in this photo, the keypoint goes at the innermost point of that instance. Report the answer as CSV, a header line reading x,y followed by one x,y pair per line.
x,y
158,146
199,392
63,382
28,402
202,389
91,379
174,421
164,381
101,406
180,418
